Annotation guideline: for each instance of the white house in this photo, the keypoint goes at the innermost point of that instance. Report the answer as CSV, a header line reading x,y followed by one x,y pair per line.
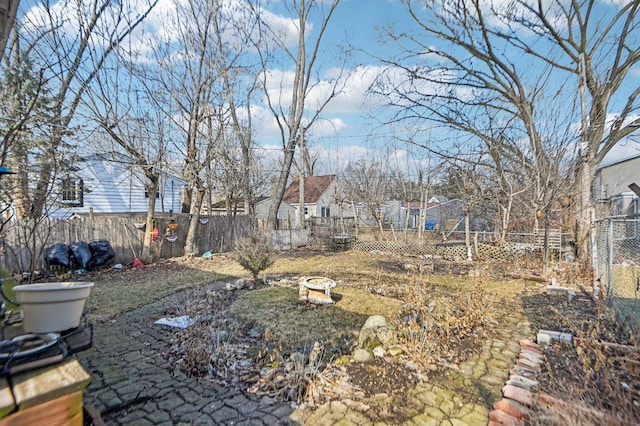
x,y
322,196
102,186
285,212
613,187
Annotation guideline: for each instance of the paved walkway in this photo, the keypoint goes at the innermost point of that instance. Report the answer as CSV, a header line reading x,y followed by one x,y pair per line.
x,y
462,396
133,385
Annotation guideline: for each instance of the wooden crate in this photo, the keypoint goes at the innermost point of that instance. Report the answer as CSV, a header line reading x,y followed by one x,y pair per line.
x,y
45,396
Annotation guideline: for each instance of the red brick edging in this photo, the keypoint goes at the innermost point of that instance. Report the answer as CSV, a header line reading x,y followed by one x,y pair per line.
x,y
520,393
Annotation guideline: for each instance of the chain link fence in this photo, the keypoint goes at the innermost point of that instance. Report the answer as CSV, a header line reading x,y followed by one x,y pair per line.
x,y
618,266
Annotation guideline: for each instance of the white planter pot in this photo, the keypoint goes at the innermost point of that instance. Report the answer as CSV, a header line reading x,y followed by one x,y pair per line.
x,y
52,307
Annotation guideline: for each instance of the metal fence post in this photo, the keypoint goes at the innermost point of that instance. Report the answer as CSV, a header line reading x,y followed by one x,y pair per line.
x,y
609,248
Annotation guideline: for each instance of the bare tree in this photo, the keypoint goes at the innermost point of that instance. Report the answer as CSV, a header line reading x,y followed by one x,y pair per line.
x,y
187,72
140,143
131,127
473,76
599,50
468,182
60,48
239,82
405,189
295,114
67,43
369,184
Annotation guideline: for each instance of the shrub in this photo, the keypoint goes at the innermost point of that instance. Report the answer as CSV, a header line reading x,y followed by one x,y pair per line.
x,y
254,254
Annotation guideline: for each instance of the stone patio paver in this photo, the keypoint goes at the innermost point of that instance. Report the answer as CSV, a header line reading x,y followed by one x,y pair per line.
x,y
132,384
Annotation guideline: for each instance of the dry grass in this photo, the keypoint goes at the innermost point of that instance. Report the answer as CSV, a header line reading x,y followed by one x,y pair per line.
x,y
263,339
437,324
449,308
118,291
285,319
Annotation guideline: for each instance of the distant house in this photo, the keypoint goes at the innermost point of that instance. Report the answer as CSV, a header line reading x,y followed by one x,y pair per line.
x,y
234,206
286,212
440,214
321,197
102,186
612,191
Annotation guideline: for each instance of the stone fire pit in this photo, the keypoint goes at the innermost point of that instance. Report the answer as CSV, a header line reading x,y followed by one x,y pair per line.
x,y
316,290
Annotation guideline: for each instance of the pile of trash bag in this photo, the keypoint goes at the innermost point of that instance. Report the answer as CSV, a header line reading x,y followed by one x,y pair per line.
x,y
80,255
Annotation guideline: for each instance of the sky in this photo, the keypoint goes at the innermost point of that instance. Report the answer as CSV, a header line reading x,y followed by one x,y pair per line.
x,y
346,131
360,22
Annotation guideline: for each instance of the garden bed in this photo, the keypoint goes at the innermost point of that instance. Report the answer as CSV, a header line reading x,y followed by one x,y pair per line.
x,y
269,319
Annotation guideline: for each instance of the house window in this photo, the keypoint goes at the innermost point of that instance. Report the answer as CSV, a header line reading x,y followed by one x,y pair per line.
x,y
146,194
72,192
325,212
625,229
624,206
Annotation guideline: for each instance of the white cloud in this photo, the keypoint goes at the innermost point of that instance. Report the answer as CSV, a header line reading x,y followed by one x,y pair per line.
x,y
617,3
334,158
327,127
353,96
163,25
285,29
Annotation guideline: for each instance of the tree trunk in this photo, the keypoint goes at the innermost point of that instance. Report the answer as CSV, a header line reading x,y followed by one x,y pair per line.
x,y
467,228
582,213
355,217
185,203
190,249
145,252
20,186
272,218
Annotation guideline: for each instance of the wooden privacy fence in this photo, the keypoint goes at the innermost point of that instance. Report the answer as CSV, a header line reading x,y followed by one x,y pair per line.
x,y
214,233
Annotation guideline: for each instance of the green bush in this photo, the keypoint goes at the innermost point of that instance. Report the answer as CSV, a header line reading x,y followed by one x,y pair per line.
x,y
254,254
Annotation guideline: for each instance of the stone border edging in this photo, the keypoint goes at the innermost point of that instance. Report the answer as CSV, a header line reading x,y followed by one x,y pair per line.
x,y
518,392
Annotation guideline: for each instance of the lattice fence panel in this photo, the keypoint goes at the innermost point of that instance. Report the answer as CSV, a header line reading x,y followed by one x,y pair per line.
x,y
319,242
395,248
505,252
554,239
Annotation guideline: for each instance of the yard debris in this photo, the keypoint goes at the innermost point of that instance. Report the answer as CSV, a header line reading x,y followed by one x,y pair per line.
x,y
239,285
546,337
183,321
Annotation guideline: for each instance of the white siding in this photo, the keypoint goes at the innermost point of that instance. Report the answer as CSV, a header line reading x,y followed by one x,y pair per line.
x,y
114,188
615,179
286,210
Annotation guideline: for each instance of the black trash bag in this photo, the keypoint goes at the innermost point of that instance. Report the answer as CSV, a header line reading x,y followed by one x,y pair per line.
x,y
57,255
81,254
102,254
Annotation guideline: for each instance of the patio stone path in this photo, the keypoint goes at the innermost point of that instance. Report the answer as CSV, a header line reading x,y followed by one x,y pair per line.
x,y
463,396
132,384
